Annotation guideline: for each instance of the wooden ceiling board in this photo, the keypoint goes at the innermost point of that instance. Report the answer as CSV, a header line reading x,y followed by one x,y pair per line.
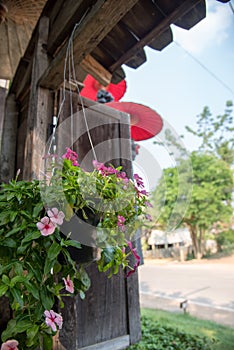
x,y
191,18
142,18
162,41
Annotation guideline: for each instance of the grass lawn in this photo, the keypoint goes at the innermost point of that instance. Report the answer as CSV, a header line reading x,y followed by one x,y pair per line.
x,y
166,330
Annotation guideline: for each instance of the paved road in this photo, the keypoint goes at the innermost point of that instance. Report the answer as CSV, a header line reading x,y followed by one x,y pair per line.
x,y
208,287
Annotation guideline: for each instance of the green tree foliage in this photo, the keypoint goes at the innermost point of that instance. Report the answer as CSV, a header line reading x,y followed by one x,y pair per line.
x,y
216,133
209,202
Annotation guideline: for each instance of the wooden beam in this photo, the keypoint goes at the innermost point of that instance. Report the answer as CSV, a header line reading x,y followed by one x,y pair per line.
x,y
181,10
91,66
98,22
39,108
66,12
8,142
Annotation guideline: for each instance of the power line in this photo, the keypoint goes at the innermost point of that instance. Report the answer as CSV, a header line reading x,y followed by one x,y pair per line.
x,y
206,69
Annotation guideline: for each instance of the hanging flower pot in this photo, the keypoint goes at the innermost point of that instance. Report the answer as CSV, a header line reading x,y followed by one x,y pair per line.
x,y
40,262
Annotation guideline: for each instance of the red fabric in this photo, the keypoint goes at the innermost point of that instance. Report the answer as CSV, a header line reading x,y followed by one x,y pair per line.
x,y
91,87
145,122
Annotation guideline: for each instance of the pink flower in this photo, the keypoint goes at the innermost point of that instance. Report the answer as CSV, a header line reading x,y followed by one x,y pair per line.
x,y
143,192
139,181
148,204
72,156
122,175
53,320
148,217
120,222
10,345
137,259
68,284
46,226
55,216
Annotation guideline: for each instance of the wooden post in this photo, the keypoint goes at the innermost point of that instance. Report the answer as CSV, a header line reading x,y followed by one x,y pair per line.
x,y
8,142
40,108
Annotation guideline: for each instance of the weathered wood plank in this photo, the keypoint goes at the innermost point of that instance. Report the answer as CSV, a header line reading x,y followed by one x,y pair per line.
x,y
63,18
100,20
133,304
132,286
3,93
116,344
181,10
9,137
39,108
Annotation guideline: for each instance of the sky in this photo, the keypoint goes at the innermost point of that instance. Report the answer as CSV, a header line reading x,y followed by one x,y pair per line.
x,y
175,85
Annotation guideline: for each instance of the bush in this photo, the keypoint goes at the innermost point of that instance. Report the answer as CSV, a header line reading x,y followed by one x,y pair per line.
x,y
225,239
156,337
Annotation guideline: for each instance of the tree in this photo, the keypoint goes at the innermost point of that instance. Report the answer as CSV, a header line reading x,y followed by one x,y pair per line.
x,y
216,133
209,201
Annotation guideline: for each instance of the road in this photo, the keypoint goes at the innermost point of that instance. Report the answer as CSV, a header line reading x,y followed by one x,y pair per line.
x,y
208,287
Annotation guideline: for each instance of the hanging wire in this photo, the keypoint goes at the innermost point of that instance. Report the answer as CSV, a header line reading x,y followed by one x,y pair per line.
x,y
81,102
69,62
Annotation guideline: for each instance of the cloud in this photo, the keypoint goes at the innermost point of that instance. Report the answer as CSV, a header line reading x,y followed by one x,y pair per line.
x,y
213,29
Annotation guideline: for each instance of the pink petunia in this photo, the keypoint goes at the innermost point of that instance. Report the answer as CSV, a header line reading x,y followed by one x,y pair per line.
x,y
56,216
68,284
120,222
10,345
72,156
53,320
137,259
46,226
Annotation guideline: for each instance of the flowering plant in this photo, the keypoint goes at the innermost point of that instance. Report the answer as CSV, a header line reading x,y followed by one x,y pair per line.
x,y
36,267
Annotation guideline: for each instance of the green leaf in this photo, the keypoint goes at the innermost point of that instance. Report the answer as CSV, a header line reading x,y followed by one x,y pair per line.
x,y
31,236
13,215
6,280
9,242
46,299
17,296
54,251
72,243
21,249
82,295
48,265
22,325
47,342
15,230
17,279
37,209
36,270
9,331
32,289
32,332
3,289
84,278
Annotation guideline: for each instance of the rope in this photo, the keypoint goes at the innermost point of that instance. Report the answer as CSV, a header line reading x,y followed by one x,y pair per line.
x,y
69,61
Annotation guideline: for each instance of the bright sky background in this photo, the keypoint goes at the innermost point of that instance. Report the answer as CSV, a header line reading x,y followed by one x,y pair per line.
x,y
176,86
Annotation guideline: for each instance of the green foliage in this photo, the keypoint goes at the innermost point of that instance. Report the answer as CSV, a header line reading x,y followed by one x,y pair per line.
x,y
26,262
220,337
224,239
216,133
162,337
212,186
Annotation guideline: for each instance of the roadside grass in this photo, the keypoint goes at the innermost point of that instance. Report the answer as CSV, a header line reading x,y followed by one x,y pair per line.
x,y
171,331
